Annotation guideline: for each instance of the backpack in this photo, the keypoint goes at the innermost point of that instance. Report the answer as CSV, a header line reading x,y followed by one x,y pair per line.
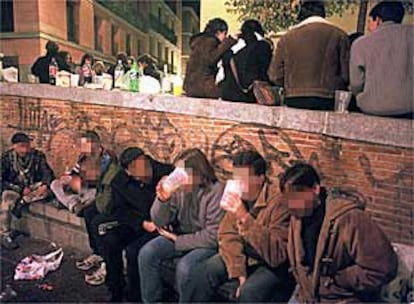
x,y
104,202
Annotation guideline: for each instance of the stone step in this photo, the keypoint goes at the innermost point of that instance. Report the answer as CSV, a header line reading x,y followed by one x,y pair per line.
x,y
44,221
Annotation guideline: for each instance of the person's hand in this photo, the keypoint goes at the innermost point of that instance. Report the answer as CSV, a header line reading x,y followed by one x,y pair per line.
x,y
169,235
162,195
233,204
42,190
149,226
26,191
242,280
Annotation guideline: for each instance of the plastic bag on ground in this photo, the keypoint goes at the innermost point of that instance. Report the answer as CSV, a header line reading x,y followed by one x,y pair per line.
x,y
36,267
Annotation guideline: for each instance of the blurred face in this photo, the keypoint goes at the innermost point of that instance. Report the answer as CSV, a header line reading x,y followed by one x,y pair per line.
x,y
373,24
194,178
68,59
141,169
76,183
252,184
88,61
90,147
130,62
302,203
221,35
22,149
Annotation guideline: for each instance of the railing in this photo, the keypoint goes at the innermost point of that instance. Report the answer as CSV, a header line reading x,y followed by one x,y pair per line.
x,y
118,9
163,29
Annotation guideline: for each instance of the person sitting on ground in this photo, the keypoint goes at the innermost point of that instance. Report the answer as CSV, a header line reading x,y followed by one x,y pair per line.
x,y
336,252
207,49
312,60
93,163
132,194
249,60
41,66
147,64
252,241
381,67
25,179
193,212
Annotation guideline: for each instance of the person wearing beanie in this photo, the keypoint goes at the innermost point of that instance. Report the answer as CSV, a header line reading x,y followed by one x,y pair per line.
x,y
26,177
41,66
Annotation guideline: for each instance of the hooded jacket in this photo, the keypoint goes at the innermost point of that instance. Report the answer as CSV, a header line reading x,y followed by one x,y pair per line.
x,y
353,256
206,51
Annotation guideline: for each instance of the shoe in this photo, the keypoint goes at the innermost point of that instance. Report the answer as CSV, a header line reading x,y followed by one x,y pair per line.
x,y
18,208
8,242
91,261
98,277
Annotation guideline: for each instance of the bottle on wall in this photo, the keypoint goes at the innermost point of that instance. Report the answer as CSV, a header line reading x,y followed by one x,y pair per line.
x,y
134,78
53,69
118,74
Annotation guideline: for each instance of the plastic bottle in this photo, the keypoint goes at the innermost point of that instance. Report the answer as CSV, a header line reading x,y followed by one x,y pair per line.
x,y
53,69
134,78
118,74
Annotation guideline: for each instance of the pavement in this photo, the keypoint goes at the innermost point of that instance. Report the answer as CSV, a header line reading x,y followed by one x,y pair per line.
x,y
67,281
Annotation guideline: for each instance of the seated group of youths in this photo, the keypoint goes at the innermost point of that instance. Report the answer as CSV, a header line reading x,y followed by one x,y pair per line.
x,y
265,242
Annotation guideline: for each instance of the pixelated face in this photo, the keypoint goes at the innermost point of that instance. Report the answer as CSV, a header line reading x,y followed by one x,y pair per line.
x,y
221,35
250,182
373,24
90,169
140,168
22,149
89,147
194,177
301,203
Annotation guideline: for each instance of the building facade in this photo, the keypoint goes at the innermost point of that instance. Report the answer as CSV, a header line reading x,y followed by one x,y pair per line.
x,y
191,26
99,27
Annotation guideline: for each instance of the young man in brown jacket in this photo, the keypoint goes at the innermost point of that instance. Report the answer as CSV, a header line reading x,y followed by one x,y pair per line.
x,y
337,253
311,60
252,241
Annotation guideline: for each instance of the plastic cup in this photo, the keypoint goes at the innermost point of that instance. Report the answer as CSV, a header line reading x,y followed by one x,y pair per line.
x,y
232,186
176,179
342,100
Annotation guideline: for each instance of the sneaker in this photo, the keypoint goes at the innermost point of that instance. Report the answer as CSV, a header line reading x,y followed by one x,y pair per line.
x,y
91,261
97,277
8,242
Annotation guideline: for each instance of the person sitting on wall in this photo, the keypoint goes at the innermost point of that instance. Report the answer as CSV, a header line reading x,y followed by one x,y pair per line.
x,y
337,253
248,60
41,66
312,60
207,49
193,214
93,163
381,67
124,60
252,242
25,179
68,64
132,192
147,64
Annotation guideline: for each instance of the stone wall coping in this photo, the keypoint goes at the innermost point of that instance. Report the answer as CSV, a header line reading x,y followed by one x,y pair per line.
x,y
353,126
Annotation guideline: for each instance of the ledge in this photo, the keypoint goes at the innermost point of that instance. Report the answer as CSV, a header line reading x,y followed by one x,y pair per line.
x,y
354,126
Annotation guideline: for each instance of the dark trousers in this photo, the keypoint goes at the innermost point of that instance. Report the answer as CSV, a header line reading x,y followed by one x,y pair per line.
x,y
92,220
114,242
263,284
310,103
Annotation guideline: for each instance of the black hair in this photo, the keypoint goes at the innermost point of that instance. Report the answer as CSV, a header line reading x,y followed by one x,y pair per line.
x,y
92,136
249,27
216,25
64,54
250,159
122,56
354,36
52,47
309,8
300,175
388,11
86,56
129,155
146,59
197,160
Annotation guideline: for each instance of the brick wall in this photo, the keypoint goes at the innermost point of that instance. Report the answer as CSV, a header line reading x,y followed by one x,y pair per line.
x,y
383,175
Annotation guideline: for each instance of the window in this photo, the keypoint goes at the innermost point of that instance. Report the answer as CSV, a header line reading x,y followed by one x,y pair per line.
x,y
159,52
98,36
72,19
114,31
128,44
172,62
6,16
139,47
152,46
159,15
166,52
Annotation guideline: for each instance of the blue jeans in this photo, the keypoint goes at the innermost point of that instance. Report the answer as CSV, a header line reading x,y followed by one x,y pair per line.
x,y
149,259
